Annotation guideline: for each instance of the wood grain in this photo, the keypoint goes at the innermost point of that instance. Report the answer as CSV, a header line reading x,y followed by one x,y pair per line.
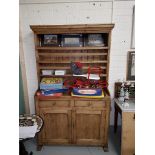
x,y
57,125
128,133
71,48
87,127
63,29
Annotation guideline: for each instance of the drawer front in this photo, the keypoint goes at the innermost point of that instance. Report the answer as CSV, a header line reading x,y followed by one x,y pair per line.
x,y
94,104
98,104
82,103
54,103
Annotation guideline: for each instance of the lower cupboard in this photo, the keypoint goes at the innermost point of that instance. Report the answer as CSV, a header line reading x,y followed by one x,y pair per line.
x,y
74,122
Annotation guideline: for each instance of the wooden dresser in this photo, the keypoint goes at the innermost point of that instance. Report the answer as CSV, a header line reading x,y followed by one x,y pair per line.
x,y
69,120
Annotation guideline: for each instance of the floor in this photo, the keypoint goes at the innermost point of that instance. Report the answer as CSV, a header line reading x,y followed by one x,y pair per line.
x,y
114,147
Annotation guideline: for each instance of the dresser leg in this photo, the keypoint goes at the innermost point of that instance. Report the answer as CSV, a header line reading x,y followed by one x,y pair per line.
x,y
105,148
115,120
39,147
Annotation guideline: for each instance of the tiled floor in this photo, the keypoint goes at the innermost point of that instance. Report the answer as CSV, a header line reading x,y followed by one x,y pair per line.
x,y
114,148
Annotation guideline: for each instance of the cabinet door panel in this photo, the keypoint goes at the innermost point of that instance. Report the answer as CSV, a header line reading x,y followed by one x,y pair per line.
x,y
128,133
57,125
89,127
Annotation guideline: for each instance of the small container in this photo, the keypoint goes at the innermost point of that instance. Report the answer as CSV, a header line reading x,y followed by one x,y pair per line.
x,y
60,72
47,72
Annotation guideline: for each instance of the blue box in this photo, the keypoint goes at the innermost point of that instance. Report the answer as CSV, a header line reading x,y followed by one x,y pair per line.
x,y
87,91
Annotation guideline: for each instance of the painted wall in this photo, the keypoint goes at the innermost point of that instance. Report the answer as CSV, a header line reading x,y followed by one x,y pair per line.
x,y
21,93
78,12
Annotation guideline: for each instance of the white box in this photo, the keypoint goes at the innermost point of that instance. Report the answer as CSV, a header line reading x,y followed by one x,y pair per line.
x,y
60,72
47,72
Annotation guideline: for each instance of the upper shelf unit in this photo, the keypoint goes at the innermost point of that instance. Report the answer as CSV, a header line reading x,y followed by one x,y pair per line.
x,y
57,46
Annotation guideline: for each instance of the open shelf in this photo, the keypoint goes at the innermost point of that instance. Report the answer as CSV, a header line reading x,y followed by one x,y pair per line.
x,y
61,67
73,54
68,62
72,48
56,55
66,75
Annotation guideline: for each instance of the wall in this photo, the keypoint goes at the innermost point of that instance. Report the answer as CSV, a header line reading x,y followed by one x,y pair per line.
x,y
21,93
78,12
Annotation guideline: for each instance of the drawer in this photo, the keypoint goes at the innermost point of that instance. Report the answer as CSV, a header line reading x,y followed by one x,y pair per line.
x,y
54,103
82,103
98,104
95,104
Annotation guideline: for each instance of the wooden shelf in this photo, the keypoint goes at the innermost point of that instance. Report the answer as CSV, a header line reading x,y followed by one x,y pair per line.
x,y
67,75
62,68
72,48
79,54
61,62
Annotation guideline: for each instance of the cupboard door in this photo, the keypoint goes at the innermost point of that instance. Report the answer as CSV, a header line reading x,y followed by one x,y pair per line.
x,y
57,126
88,127
128,133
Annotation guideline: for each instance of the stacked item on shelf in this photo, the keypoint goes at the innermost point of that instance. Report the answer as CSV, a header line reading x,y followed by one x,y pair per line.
x,y
54,92
91,87
51,83
51,87
53,72
47,72
88,92
60,72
